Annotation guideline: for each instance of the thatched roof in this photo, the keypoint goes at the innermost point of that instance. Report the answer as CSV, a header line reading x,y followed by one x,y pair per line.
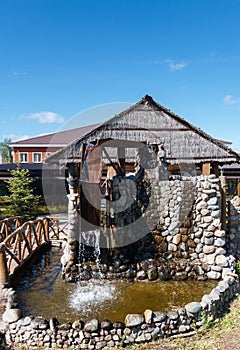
x,y
148,121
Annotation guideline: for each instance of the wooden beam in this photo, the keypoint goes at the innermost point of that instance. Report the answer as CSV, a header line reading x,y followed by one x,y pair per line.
x,y
111,172
173,167
4,278
206,168
238,190
215,168
121,160
109,159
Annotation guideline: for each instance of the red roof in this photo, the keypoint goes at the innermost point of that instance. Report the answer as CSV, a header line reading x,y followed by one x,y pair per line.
x,y
59,138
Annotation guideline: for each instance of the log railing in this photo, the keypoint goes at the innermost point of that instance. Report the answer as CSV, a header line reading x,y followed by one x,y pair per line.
x,y
8,226
20,245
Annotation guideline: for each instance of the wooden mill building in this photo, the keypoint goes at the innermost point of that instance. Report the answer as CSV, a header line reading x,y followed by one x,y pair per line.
x,y
111,149
149,122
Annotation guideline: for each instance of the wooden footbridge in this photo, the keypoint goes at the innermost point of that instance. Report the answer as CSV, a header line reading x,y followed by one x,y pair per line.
x,y
20,241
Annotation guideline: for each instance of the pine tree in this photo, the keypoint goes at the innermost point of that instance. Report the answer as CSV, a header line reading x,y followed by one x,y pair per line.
x,y
21,200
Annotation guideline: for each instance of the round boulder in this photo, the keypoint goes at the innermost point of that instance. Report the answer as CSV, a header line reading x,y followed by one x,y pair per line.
x,y
12,315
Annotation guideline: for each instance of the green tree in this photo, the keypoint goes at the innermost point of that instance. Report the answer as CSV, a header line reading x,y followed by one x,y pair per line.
x,y
21,200
6,151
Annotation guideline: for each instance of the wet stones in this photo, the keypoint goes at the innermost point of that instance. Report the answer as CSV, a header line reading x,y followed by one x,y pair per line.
x,y
152,274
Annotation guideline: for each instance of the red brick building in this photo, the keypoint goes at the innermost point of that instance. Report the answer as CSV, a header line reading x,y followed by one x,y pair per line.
x,y
36,149
30,154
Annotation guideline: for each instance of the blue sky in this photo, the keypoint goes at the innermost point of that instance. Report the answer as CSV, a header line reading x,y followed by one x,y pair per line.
x,y
60,57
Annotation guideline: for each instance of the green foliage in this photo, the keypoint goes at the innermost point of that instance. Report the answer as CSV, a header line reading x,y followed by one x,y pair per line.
x,y
6,151
22,201
61,208
207,321
238,268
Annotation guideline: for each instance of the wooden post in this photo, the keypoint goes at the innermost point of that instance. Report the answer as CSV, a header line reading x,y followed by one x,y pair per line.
x,y
238,190
73,217
111,172
121,160
206,168
224,209
215,169
46,228
18,221
4,278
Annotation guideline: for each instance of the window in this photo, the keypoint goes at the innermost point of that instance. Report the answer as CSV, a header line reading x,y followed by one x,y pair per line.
x,y
37,157
23,158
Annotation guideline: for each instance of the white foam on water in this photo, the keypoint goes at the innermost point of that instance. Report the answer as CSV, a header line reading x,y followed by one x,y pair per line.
x,y
86,298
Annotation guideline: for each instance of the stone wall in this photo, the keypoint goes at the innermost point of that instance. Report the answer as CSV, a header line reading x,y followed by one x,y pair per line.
x,y
186,239
94,334
233,226
190,224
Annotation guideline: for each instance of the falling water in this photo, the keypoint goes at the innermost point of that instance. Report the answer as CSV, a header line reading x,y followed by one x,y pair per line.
x,y
90,295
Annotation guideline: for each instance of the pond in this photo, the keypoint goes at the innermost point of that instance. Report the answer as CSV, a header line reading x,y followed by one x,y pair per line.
x,y
42,292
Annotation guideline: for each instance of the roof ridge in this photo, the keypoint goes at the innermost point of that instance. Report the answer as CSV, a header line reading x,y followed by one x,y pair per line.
x,y
147,99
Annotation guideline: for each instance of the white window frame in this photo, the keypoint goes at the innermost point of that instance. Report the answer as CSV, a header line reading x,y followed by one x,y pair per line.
x,y
25,155
37,154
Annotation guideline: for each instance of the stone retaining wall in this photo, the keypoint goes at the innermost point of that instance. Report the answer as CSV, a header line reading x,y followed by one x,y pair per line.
x,y
186,238
190,224
233,228
138,328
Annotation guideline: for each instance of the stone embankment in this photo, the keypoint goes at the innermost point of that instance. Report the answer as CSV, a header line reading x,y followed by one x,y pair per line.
x,y
94,334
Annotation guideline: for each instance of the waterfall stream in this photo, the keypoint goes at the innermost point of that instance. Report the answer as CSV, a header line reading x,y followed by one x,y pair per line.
x,y
90,295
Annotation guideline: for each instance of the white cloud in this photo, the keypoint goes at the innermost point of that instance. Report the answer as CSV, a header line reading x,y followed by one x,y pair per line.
x,y
230,100
13,137
17,74
45,117
176,66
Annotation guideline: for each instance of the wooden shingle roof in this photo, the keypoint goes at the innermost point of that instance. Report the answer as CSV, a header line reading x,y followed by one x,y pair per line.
x,y
148,121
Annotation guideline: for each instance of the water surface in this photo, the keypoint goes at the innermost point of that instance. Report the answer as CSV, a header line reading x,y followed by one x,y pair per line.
x,y
42,292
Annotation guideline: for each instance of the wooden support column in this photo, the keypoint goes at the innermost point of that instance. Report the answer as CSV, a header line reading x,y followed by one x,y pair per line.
x,y
215,168
4,278
121,160
238,190
206,168
46,229
224,204
72,200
